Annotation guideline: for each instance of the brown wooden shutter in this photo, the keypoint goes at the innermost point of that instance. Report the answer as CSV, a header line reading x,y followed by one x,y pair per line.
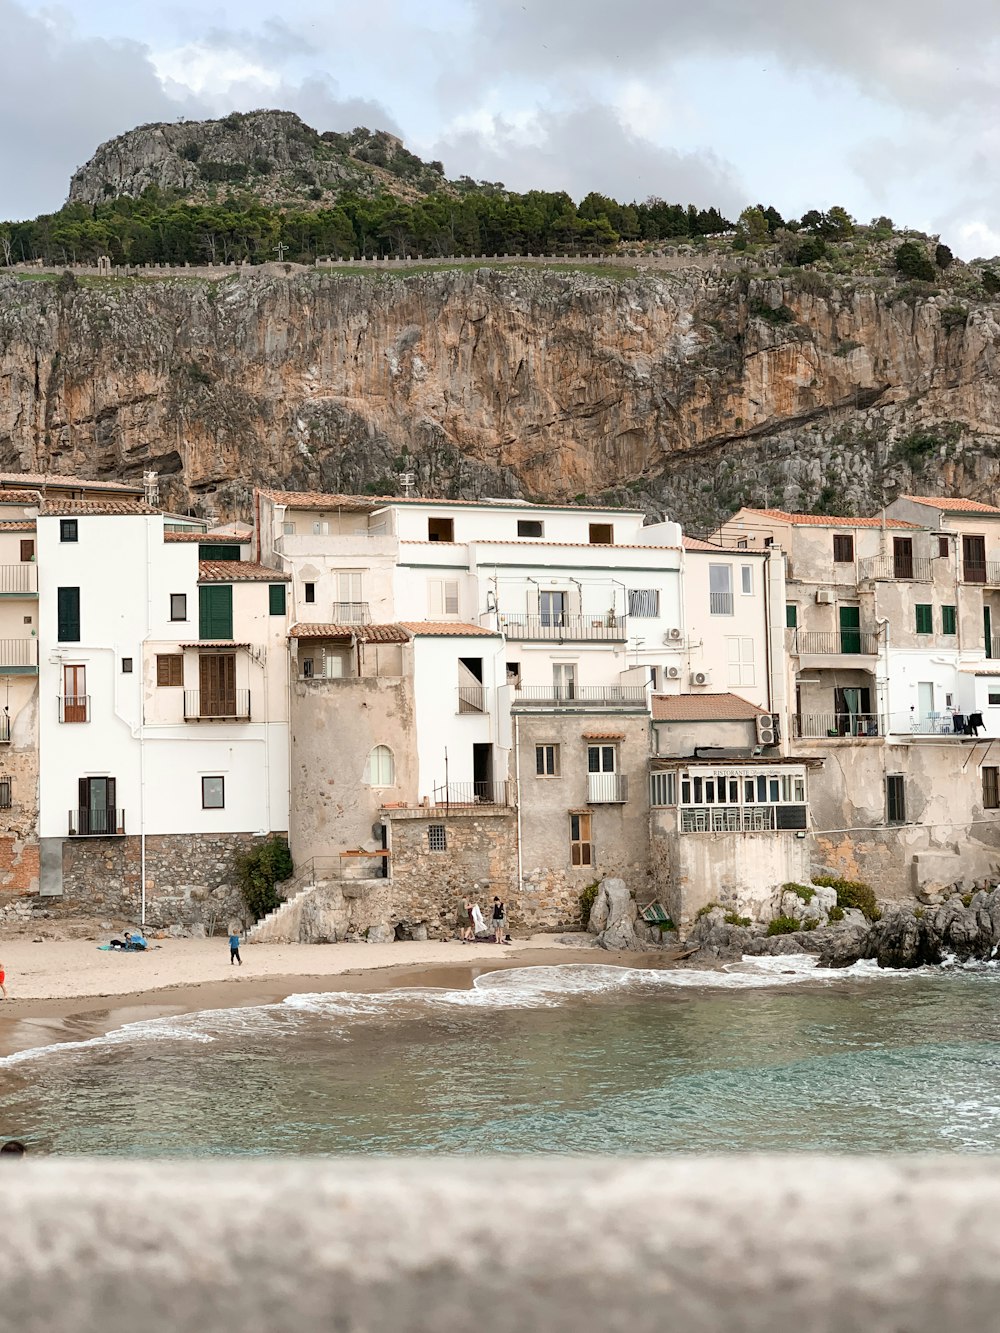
x,y
112,816
83,806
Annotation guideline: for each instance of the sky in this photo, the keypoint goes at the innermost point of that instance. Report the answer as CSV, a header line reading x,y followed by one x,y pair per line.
x,y
883,106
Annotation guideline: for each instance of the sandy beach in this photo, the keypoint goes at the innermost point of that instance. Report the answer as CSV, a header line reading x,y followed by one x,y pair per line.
x,y
65,990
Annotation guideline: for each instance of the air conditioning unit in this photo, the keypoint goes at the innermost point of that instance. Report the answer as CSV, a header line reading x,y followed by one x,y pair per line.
x,y
701,677
673,635
672,673
824,597
768,732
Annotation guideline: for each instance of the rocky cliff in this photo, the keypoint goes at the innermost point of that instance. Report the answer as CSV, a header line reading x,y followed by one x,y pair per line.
x,y
690,392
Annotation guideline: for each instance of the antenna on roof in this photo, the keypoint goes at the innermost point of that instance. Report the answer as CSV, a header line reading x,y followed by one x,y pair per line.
x,y
407,483
151,488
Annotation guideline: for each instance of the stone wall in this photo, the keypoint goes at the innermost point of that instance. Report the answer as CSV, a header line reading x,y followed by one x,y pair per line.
x,y
189,879
427,886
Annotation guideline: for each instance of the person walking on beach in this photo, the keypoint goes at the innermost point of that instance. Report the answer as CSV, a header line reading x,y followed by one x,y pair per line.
x,y
3,987
498,920
234,949
466,921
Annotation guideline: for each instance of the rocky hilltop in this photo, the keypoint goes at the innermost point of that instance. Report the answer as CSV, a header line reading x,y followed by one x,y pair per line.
x,y
690,392
274,155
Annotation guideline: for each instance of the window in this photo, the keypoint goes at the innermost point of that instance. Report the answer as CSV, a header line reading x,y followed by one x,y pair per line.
x,y
276,599
213,793
948,620
993,700
991,788
552,609
68,615
218,551
178,606
895,799
4,793
580,845
68,530
720,590
380,769
602,759
739,653
513,673
74,700
169,669
442,597
644,603
310,591
564,680
943,546
440,530
217,685
437,838
791,615
127,666
349,585
288,528
547,761
601,534
663,789
746,580
215,611
843,548
925,618
321,527
529,527
97,811
28,548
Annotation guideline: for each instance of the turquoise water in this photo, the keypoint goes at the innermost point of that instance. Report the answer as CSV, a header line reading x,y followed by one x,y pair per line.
x,y
768,1055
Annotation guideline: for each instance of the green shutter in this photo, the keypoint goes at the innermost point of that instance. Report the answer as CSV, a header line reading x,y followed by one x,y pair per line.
x,y
947,620
925,619
791,615
217,551
69,615
277,595
215,611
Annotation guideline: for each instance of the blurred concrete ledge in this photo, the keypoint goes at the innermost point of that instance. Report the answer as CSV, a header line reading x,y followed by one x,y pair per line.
x,y
689,1245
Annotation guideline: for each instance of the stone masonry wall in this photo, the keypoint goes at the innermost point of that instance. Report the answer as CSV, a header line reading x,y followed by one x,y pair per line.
x,y
189,879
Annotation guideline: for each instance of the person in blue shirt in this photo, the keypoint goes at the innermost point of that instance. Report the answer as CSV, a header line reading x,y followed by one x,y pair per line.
x,y
234,950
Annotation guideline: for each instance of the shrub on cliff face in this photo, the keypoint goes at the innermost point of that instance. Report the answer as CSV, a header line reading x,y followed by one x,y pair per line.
x,y
588,897
912,261
852,893
259,870
784,925
991,282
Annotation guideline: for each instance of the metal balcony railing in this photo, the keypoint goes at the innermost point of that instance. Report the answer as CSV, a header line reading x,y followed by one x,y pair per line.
x,y
821,643
18,653
472,698
915,569
467,794
981,571
19,578
607,788
561,627
720,603
74,708
351,613
104,823
579,696
200,707
4,728
815,726
934,724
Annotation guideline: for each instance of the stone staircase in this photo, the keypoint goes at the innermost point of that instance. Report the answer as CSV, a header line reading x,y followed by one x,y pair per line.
x,y
269,926
320,907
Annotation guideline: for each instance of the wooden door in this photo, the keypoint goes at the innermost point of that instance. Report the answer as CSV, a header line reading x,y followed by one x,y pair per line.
x,y
850,629
902,557
74,694
217,683
974,559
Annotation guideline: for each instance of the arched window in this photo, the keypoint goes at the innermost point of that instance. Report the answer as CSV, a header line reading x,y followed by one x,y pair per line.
x,y
380,770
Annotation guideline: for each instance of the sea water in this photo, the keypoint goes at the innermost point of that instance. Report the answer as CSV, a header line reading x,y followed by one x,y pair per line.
x,y
765,1055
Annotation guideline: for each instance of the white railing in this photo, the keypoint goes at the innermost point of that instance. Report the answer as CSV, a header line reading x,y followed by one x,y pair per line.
x,y
720,603
18,653
472,698
19,578
815,726
607,788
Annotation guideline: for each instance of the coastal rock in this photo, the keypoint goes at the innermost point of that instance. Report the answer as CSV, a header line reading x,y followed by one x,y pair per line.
x,y
382,933
844,946
616,907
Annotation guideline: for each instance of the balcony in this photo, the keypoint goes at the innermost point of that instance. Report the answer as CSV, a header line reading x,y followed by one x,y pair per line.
x,y
947,724
560,627
849,726
580,696
985,572
728,819
720,603
19,580
351,613
607,788
199,707
900,568
74,708
4,728
18,655
100,823
472,795
472,699
833,643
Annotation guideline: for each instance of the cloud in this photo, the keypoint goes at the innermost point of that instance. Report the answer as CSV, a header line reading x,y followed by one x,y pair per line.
x,y
585,148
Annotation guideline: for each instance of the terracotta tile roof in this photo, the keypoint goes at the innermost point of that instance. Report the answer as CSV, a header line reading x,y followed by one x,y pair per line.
x,y
17,525
233,539
438,628
603,736
97,506
953,505
19,497
363,633
703,708
828,520
365,503
534,541
214,643
64,481
696,544
238,571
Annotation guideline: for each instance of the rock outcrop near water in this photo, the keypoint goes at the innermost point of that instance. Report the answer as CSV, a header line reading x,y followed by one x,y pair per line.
x,y
688,392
